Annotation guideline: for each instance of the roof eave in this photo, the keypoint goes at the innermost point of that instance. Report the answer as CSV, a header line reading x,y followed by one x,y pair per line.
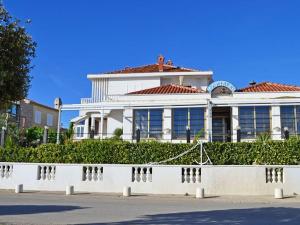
x,y
155,74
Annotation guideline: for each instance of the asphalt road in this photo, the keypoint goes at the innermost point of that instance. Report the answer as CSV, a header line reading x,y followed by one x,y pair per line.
x,y
56,208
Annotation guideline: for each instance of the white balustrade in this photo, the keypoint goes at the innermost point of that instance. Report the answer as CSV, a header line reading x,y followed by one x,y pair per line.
x,y
105,98
6,171
46,172
274,175
191,175
92,173
141,174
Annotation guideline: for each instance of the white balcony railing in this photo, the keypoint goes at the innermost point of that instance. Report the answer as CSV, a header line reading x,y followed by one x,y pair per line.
x,y
106,98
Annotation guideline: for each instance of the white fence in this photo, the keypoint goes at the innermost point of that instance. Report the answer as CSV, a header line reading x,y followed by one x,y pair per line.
x,y
152,179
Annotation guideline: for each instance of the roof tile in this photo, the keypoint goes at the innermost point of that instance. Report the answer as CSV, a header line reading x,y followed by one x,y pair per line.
x,y
152,68
269,87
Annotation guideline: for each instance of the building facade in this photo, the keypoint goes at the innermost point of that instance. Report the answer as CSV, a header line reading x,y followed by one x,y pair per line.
x,y
161,101
28,113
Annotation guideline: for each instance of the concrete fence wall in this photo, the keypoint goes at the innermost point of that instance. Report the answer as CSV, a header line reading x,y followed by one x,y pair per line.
x,y
152,179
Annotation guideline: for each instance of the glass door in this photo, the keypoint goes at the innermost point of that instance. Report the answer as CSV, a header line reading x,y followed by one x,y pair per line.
x,y
219,129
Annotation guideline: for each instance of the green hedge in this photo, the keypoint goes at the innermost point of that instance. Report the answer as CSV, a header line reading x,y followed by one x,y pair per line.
x,y
109,151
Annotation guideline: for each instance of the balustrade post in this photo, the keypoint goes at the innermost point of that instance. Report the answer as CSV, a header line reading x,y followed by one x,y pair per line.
x,y
10,170
197,175
93,173
185,175
273,175
269,175
279,175
5,171
99,175
136,174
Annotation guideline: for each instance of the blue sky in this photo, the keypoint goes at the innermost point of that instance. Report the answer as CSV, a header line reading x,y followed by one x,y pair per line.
x,y
239,40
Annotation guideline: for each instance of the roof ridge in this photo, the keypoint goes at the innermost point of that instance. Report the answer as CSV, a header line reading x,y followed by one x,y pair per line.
x,y
129,67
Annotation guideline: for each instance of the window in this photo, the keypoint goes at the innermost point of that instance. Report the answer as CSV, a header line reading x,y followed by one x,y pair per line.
x,y
254,120
290,118
79,131
187,117
13,110
38,117
149,121
49,119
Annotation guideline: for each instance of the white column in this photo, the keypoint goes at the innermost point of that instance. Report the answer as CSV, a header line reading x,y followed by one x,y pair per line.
x,y
86,128
93,123
127,124
101,125
167,124
208,122
235,122
276,123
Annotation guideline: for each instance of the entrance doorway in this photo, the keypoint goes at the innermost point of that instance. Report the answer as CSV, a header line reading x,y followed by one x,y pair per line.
x,y
221,124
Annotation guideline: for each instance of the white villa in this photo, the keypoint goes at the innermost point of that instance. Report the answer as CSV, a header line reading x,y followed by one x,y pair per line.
x,y
162,101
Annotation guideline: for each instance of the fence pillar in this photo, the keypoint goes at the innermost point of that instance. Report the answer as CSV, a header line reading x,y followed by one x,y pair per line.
x,y
188,135
2,141
45,135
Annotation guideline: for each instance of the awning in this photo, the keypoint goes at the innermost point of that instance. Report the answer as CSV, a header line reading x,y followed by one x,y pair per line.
x,y
78,118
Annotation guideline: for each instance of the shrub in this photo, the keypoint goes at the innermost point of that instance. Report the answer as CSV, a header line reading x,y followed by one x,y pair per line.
x,y
122,152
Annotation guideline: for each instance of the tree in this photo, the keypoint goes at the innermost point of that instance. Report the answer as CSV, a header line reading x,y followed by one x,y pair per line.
x,y
17,49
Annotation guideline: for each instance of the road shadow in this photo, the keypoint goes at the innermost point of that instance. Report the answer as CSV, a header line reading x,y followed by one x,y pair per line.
x,y
252,216
34,209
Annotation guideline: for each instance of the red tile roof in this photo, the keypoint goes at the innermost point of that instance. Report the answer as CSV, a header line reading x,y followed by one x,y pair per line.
x,y
168,89
269,87
152,68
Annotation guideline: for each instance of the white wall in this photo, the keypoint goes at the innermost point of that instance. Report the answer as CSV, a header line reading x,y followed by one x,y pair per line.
x,y
156,179
114,121
119,86
127,123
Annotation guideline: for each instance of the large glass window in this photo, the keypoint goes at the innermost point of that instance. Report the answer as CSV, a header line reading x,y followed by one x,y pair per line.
x,y
149,121
254,120
290,118
187,117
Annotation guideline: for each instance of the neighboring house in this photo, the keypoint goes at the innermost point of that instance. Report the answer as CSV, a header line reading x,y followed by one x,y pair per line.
x,y
28,113
34,114
163,101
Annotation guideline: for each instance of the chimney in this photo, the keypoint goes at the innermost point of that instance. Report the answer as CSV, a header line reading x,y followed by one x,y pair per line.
x,y
252,83
160,62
